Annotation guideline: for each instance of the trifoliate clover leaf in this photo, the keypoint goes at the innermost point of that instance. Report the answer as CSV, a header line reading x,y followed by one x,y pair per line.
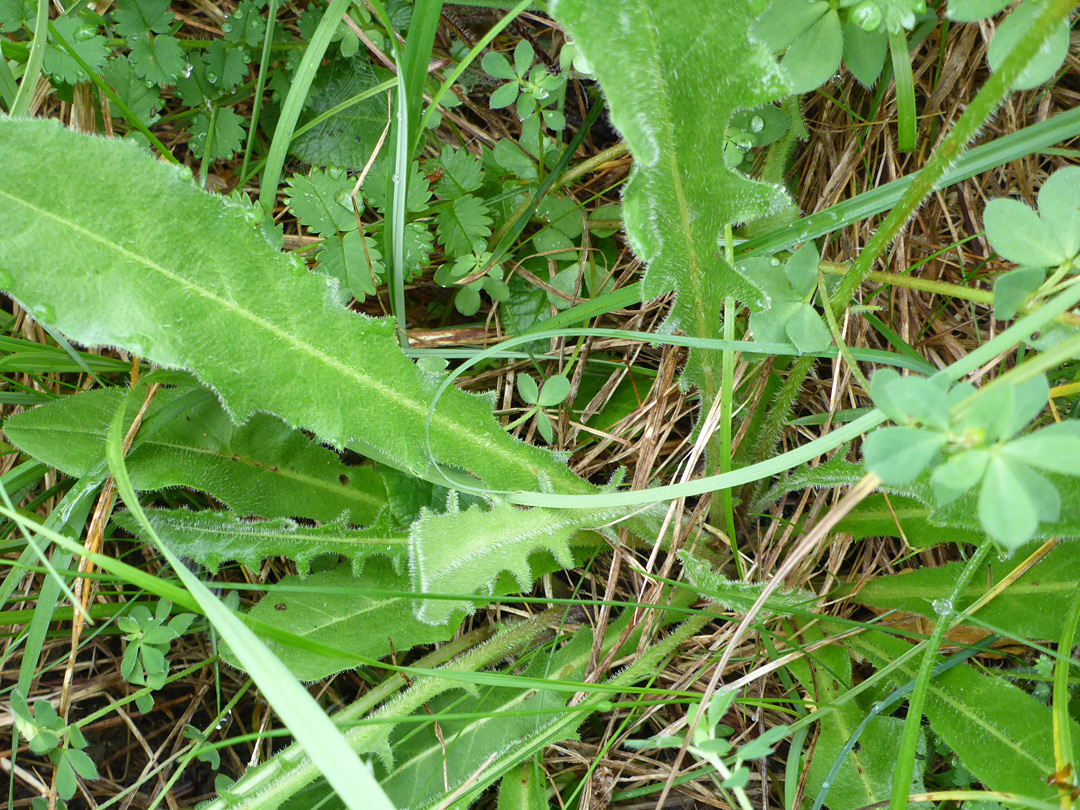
x,y
462,223
82,37
958,474
16,14
555,390
461,173
1059,208
497,66
1055,448
219,139
245,26
523,57
504,95
355,261
897,455
811,35
144,102
783,314
527,388
1013,500
321,201
225,66
910,400
158,59
137,17
1045,63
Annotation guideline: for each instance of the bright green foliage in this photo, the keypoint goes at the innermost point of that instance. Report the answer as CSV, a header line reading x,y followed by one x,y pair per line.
x,y
1001,734
1013,290
211,538
460,552
148,638
218,135
709,743
225,66
461,173
783,313
982,451
555,391
83,37
1034,606
133,18
261,468
1047,239
355,260
321,201
159,288
533,88
144,102
674,74
43,729
244,25
463,223
1046,62
158,59
337,608
145,25
16,14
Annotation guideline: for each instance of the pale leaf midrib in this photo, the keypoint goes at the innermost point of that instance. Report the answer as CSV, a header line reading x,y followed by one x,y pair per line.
x,y
366,380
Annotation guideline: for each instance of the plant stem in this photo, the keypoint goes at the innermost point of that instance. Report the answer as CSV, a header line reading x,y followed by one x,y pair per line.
x,y
905,758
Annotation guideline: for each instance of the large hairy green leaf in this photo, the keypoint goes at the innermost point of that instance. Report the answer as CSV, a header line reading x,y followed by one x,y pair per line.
x,y
262,468
142,259
674,72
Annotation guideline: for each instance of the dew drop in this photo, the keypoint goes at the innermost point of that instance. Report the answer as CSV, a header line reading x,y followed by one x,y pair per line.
x,y
774,262
6,280
187,70
226,27
237,15
246,57
211,77
942,607
149,83
756,124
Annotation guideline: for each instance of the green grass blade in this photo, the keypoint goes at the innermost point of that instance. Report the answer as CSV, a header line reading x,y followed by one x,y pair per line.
x,y
294,102
21,105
